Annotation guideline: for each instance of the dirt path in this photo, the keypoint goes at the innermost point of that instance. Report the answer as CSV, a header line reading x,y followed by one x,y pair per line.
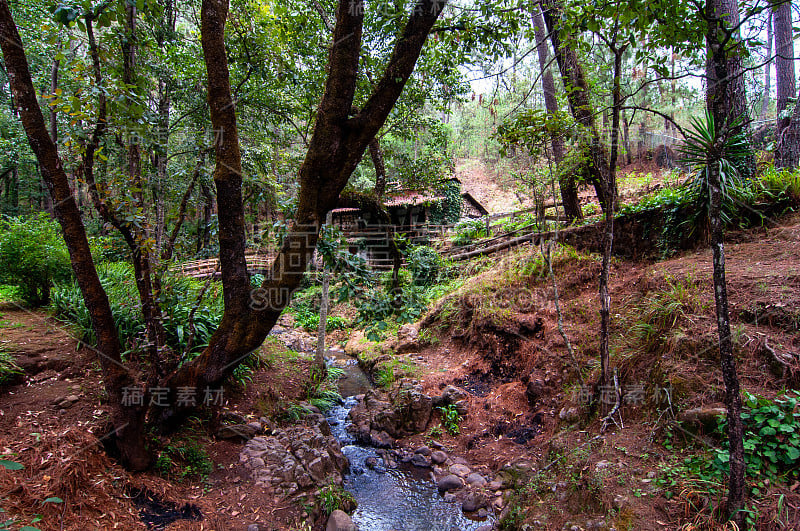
x,y
53,421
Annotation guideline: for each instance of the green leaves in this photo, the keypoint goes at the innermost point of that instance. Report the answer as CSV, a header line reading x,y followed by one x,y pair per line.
x,y
65,15
11,465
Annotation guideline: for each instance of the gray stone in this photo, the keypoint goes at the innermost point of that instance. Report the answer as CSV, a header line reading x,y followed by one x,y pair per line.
x,y
340,521
438,457
476,480
701,419
421,461
255,462
424,450
252,527
403,411
381,439
534,391
450,482
236,431
601,465
473,501
449,497
460,470
371,462
408,332
450,395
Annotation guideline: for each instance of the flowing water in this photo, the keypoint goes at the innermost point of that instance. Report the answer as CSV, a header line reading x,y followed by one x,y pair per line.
x,y
393,499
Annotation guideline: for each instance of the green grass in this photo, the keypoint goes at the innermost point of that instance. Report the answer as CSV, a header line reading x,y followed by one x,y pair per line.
x,y
8,367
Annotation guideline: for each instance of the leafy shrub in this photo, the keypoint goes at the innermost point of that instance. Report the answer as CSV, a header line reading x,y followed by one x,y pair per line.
x,y
450,419
384,377
185,459
782,182
771,448
333,497
468,231
520,222
308,319
377,307
33,256
426,264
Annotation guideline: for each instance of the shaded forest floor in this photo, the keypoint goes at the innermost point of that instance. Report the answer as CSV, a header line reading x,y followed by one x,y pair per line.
x,y
525,417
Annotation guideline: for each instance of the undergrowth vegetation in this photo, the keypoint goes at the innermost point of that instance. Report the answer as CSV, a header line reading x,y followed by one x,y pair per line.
x,y
772,455
189,324
679,213
9,370
33,256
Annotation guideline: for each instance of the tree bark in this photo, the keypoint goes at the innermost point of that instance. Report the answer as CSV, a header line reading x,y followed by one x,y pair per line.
x,y
767,77
724,71
577,88
608,235
376,154
128,420
785,81
730,92
319,370
566,180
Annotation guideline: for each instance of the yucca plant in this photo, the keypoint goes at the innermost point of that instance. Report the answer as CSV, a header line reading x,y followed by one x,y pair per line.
x,y
729,151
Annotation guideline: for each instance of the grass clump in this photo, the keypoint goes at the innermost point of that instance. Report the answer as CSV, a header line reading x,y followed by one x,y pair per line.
x,y
9,370
184,460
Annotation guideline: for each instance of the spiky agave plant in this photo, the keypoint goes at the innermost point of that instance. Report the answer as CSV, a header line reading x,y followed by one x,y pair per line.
x,y
728,148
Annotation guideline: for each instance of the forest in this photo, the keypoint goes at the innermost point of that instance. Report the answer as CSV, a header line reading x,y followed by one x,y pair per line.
x,y
399,265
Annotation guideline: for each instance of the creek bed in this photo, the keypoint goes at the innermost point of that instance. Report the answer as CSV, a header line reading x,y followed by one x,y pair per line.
x,y
402,499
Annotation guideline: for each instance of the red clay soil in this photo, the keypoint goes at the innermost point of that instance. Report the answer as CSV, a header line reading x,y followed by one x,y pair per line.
x,y
62,454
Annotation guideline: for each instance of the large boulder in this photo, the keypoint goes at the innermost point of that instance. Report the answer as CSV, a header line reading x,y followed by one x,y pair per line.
x,y
340,521
358,344
450,395
403,411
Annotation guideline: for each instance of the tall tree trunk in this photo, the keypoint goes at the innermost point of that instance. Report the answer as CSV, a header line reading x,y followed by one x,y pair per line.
x,y
204,232
608,234
791,141
164,34
566,180
626,138
142,260
734,98
48,201
725,72
128,419
320,370
767,73
577,88
785,82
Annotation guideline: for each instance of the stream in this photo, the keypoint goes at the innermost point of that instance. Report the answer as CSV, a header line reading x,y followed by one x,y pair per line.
x,y
402,499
